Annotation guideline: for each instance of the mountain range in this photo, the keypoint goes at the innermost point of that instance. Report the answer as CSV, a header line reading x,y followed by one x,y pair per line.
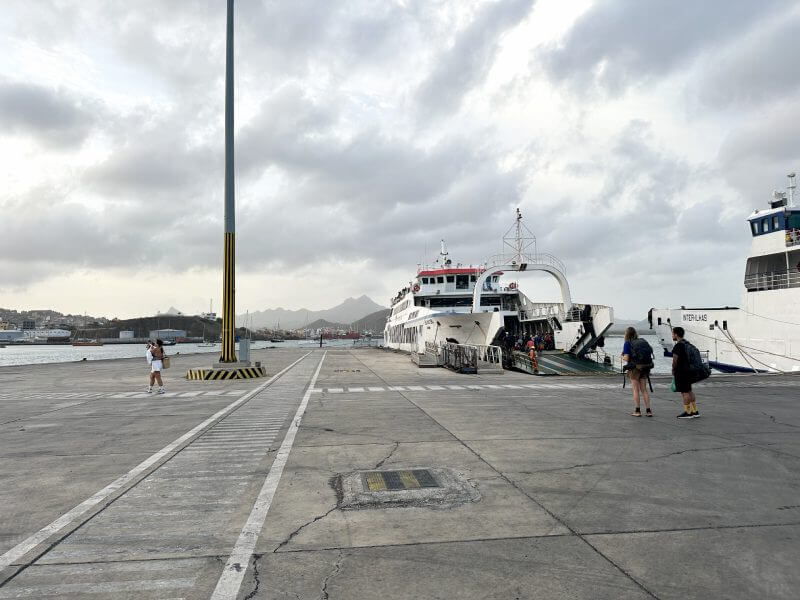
x,y
347,312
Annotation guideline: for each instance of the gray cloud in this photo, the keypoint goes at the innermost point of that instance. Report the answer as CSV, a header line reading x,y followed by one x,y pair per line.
x,y
754,68
467,62
69,235
345,154
756,156
625,42
55,117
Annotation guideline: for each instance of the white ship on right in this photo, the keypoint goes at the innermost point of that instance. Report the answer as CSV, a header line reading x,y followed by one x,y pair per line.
x,y
763,334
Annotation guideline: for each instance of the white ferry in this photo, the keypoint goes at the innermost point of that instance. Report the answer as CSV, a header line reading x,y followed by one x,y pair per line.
x,y
763,334
474,305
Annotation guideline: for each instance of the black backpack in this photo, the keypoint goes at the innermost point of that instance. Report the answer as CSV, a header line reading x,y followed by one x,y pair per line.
x,y
698,370
641,354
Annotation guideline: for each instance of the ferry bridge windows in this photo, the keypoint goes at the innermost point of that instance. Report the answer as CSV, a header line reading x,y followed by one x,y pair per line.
x,y
776,223
425,281
754,227
764,225
450,279
462,282
442,302
440,280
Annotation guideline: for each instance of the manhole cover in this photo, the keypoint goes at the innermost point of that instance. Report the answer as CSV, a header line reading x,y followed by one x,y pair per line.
x,y
381,481
433,487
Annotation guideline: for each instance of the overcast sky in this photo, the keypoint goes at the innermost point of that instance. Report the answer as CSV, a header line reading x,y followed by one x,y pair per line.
x,y
635,135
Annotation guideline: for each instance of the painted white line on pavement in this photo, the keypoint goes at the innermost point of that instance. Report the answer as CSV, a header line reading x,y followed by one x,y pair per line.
x,y
232,575
69,517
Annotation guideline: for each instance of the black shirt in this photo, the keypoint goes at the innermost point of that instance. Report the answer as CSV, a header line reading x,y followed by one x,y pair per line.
x,y
679,351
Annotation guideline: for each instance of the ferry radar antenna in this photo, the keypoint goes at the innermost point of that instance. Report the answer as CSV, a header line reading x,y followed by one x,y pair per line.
x,y
443,255
521,241
791,188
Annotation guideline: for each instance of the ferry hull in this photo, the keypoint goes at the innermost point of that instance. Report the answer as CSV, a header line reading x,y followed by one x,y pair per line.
x,y
737,340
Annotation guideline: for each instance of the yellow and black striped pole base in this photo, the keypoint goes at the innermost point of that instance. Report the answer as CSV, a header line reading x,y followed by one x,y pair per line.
x,y
218,374
228,354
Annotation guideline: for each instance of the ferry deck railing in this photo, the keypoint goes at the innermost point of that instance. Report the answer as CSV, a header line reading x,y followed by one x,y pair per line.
x,y
375,342
460,357
541,258
540,310
471,358
772,280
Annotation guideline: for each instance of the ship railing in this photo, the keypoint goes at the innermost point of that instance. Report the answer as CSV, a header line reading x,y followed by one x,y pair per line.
x,y
472,358
792,237
599,355
460,357
368,342
576,312
542,310
772,280
540,258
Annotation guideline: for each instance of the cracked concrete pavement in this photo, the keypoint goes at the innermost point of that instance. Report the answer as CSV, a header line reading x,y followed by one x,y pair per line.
x,y
578,499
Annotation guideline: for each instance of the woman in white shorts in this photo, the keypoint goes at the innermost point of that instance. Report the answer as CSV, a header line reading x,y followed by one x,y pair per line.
x,y
157,352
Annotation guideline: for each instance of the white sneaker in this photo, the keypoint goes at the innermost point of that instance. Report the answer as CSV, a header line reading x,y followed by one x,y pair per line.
x,y
162,391
149,389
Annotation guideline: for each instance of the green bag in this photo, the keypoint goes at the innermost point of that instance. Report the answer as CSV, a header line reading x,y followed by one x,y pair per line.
x,y
672,386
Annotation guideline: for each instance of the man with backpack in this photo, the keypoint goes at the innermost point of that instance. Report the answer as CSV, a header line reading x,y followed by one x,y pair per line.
x,y
687,368
638,354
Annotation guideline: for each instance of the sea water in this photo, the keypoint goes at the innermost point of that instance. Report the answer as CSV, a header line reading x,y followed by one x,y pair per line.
x,y
662,363
37,354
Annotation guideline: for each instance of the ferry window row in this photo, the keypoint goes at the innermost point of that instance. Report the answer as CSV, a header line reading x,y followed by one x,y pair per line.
x,y
401,307
766,225
458,279
399,334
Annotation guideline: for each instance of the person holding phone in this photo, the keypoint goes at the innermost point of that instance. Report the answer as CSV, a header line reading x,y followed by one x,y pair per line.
x,y
155,355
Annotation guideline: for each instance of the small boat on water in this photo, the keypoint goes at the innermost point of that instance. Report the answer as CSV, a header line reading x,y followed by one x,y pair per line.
x,y
763,333
277,341
206,343
87,343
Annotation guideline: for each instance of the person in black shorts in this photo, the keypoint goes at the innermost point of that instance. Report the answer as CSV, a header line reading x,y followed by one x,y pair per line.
x,y
682,375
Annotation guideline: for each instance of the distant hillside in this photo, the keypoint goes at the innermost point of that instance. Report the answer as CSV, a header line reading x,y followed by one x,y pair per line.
x,y
620,325
142,326
348,311
323,324
374,322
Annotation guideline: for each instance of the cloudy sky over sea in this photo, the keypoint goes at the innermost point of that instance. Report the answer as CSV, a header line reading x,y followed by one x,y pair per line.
x,y
635,136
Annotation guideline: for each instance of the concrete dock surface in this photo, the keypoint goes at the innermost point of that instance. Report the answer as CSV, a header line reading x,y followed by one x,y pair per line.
x,y
234,490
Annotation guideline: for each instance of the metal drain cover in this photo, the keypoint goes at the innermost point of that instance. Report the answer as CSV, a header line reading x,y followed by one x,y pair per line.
x,y
417,486
381,481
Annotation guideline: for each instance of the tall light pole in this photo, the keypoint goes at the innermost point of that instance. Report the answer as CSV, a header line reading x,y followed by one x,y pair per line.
x,y
229,367
228,354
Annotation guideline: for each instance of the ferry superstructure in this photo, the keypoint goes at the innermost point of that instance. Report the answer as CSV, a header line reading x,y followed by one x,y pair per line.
x,y
469,304
763,334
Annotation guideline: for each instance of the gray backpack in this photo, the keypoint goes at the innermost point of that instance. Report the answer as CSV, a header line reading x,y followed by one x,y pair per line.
x,y
641,354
